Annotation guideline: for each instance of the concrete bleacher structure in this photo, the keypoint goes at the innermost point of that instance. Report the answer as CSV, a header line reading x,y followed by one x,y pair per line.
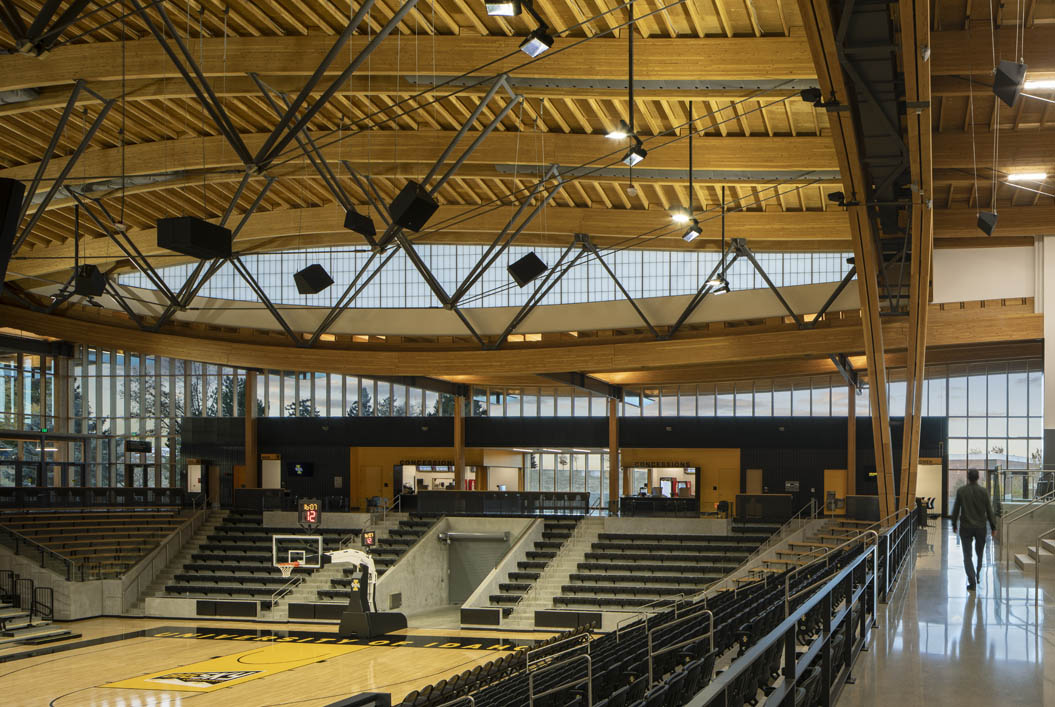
x,y
555,534
235,561
633,569
108,542
386,553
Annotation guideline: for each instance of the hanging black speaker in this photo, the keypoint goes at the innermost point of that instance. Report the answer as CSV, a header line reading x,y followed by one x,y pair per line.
x,y
11,194
413,207
194,237
526,269
360,223
987,222
1008,81
89,281
312,280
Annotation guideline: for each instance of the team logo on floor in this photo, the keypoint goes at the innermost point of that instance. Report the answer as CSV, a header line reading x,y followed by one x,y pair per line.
x,y
202,679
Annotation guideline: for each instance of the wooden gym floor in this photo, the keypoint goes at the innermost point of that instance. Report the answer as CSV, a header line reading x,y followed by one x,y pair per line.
x,y
155,662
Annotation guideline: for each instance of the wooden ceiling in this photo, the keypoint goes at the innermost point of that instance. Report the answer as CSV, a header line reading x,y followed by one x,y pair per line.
x,y
737,64
390,123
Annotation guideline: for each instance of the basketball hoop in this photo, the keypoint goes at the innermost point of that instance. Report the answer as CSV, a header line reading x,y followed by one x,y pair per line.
x,y
287,567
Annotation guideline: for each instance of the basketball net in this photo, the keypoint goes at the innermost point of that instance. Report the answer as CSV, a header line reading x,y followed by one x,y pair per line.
x,y
287,567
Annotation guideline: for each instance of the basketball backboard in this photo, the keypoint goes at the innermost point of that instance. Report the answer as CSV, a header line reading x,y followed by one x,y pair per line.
x,y
305,550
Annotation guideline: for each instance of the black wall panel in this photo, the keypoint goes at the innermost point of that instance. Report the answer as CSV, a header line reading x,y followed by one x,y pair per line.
x,y
785,448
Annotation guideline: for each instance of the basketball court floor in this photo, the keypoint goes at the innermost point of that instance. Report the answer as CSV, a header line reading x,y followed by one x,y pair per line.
x,y
139,662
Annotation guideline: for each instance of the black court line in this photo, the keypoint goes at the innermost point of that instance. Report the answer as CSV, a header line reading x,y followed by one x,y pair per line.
x,y
281,636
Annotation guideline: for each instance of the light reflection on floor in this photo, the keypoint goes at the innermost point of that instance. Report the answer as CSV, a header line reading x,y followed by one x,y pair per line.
x,y
939,644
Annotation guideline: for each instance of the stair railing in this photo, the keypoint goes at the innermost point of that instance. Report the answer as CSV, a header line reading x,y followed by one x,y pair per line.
x,y
276,596
1036,568
1017,515
798,521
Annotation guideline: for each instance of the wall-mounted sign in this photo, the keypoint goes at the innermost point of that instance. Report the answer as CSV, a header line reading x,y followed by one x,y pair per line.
x,y
141,446
791,485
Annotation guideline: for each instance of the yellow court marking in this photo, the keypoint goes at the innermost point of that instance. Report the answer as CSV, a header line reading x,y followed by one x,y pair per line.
x,y
237,668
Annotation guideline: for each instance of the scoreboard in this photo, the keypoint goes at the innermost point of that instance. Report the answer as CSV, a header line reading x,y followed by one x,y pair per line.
x,y
309,511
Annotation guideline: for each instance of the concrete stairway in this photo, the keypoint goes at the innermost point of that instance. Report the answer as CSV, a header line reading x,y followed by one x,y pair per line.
x,y
555,575
320,579
157,587
1027,561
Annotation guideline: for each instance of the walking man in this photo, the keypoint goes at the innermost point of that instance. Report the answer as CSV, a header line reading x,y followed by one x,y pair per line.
x,y
971,511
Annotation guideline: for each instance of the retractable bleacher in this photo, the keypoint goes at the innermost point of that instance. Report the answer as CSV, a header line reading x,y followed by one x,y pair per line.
x,y
109,541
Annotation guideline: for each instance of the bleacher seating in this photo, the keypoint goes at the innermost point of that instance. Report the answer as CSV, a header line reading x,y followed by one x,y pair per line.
x,y
624,570
683,660
555,532
108,541
385,553
236,561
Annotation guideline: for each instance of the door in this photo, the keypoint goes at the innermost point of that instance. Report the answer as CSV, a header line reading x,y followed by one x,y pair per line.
x,y
754,481
835,492
214,484
470,563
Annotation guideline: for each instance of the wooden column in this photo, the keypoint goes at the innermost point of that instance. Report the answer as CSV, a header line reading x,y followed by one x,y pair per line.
x,y
819,26
851,440
459,442
915,32
252,456
613,455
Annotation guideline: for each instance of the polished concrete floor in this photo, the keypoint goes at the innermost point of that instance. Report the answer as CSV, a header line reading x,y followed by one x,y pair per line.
x,y
938,644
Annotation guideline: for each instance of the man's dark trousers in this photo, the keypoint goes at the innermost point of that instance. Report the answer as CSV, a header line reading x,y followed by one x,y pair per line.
x,y
977,535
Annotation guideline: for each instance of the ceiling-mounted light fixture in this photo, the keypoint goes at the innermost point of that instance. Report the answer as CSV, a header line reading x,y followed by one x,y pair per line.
x,y
621,132
1027,177
537,42
1039,84
502,8
693,232
717,282
635,154
680,215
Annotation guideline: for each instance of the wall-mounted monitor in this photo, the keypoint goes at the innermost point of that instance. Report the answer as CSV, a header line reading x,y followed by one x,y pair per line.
x,y
300,469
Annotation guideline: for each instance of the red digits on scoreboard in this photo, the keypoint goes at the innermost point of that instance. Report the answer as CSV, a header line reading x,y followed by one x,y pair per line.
x,y
311,515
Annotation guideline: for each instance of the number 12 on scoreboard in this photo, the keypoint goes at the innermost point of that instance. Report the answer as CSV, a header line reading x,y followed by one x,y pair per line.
x,y
310,512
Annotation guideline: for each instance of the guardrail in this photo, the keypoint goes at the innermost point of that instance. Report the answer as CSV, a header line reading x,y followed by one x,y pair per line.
x,y
49,559
722,689
1036,569
1018,514
88,497
137,579
571,683
285,589
667,649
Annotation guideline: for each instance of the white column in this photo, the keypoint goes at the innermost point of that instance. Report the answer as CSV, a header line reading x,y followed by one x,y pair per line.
x,y
1045,302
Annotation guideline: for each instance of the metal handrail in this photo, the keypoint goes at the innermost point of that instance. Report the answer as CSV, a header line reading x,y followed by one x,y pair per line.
x,y
285,589
71,565
527,654
709,634
459,700
894,515
775,539
558,688
1021,511
1018,515
1036,568
792,573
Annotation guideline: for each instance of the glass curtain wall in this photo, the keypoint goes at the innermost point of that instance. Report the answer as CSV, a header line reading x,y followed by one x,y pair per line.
x,y
643,273
569,470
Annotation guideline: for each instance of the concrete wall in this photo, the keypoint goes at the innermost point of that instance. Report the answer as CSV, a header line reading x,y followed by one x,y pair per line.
x,y
661,526
73,600
421,577
288,519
